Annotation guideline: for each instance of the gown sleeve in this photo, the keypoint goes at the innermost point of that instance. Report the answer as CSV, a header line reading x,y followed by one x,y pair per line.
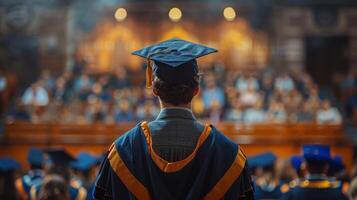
x,y
242,188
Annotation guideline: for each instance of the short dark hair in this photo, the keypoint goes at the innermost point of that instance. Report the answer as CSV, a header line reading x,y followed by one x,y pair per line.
x,y
54,188
176,94
316,168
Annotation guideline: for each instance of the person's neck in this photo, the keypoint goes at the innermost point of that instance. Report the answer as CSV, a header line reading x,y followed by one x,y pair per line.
x,y
164,105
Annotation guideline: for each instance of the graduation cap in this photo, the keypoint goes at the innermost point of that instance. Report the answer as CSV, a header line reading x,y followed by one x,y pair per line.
x,y
84,161
35,157
8,164
174,60
262,160
318,154
336,165
296,162
60,157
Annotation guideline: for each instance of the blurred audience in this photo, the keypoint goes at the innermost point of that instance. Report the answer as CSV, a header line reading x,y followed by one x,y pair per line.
x,y
238,97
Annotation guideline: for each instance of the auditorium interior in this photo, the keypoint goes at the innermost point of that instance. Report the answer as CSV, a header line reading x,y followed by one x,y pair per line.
x,y
284,76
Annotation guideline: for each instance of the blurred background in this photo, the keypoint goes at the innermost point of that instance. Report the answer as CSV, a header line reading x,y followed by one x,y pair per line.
x,y
285,74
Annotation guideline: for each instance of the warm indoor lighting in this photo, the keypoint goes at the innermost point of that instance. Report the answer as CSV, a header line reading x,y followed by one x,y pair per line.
x,y
175,14
229,13
120,14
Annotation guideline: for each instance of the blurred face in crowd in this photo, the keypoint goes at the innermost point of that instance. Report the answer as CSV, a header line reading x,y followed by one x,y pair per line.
x,y
120,73
210,81
97,88
267,81
258,105
237,104
306,107
215,106
124,105
325,104
60,83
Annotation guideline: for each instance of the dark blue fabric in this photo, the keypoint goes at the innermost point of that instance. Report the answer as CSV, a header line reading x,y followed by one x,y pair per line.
x,y
310,193
262,192
174,52
196,179
175,59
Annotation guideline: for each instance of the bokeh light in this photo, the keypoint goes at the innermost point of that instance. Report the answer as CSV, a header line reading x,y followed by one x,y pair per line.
x,y
120,14
229,13
175,14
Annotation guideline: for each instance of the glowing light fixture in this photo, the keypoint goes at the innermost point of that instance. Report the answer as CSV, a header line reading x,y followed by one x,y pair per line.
x,y
120,14
175,14
229,13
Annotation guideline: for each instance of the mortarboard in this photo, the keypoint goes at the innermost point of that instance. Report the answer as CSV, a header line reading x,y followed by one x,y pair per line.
x,y
174,60
84,161
336,165
8,164
296,162
35,157
316,153
262,160
60,157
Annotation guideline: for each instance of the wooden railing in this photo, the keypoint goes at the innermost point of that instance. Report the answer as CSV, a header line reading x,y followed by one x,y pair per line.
x,y
282,139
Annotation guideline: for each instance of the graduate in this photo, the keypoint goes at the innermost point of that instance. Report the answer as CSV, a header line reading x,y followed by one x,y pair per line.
x,y
85,170
267,184
34,176
61,161
299,168
317,184
174,156
8,167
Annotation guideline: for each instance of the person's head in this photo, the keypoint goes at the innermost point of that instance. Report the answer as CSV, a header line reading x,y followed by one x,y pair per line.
x,y
35,158
210,80
325,104
124,105
176,95
97,88
316,168
258,105
175,69
306,107
317,158
267,81
54,188
60,170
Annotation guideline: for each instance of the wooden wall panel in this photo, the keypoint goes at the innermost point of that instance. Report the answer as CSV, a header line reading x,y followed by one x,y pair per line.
x,y
283,140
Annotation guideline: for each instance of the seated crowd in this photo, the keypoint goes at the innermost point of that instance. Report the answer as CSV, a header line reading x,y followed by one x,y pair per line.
x,y
226,95
55,174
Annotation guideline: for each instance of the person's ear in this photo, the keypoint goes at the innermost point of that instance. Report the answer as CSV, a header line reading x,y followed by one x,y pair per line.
x,y
196,91
155,92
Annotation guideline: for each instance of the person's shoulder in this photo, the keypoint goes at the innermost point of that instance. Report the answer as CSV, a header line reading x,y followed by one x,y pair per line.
x,y
230,146
221,137
129,135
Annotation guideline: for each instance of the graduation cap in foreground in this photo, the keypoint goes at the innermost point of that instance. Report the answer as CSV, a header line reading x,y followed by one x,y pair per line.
x,y
60,157
8,164
316,153
84,161
296,162
174,60
336,165
35,157
262,160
